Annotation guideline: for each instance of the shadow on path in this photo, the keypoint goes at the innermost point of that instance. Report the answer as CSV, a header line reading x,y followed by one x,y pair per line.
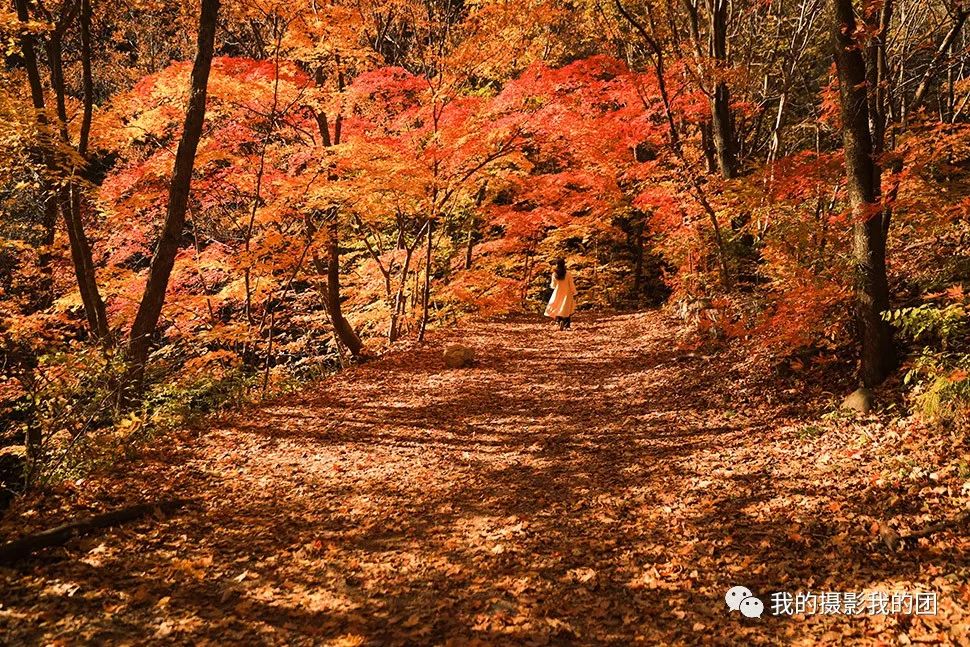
x,y
595,486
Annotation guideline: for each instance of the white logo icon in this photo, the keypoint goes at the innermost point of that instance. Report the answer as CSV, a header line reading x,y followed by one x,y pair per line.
x,y
740,598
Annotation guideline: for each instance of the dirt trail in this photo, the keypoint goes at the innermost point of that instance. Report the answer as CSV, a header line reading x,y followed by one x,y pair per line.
x,y
595,486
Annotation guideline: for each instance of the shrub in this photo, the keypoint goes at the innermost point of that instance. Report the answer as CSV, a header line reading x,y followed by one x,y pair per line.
x,y
939,376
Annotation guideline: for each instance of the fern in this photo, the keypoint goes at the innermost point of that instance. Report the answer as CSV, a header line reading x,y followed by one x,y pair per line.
x,y
939,376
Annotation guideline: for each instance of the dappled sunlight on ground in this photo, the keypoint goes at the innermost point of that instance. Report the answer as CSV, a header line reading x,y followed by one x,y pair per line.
x,y
595,486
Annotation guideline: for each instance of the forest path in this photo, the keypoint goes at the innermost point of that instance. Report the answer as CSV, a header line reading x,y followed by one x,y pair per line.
x,y
593,486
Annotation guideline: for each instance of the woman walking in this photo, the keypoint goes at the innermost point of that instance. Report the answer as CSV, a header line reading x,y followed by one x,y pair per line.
x,y
562,305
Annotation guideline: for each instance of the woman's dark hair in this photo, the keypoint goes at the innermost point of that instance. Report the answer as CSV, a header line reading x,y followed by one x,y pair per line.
x,y
560,269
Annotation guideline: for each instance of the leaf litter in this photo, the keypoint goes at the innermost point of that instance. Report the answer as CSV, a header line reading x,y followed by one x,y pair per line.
x,y
597,486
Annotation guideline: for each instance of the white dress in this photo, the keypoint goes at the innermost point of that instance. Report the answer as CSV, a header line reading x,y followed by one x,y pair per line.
x,y
563,301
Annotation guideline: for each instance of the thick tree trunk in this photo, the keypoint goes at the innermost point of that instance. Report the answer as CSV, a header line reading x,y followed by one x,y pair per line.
x,y
775,144
721,104
331,269
150,308
863,184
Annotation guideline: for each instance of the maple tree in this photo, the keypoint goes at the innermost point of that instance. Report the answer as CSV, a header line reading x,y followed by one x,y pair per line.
x,y
376,151
150,307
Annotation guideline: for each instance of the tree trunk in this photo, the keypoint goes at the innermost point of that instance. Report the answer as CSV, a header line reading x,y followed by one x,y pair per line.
x,y
707,144
925,81
472,225
400,301
345,332
83,261
692,179
638,260
70,200
863,183
49,218
878,18
87,82
721,105
150,308
426,292
68,197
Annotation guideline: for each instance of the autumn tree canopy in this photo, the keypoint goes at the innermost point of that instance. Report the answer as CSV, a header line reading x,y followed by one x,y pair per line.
x,y
333,177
